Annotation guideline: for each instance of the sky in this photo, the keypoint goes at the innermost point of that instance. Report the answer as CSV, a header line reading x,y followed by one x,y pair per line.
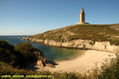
x,y
28,17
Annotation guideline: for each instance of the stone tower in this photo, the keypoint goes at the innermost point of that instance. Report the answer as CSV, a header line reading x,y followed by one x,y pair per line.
x,y
82,16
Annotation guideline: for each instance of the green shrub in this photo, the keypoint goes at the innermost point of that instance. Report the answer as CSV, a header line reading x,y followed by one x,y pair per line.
x,y
66,75
110,71
8,69
28,52
20,56
114,42
5,44
7,52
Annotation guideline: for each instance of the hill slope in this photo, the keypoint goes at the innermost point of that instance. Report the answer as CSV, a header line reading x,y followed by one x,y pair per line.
x,y
86,32
97,37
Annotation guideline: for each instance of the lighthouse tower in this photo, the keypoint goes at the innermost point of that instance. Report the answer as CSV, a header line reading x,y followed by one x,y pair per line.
x,y
82,16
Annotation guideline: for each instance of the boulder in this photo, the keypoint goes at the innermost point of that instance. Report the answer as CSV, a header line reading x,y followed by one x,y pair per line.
x,y
40,63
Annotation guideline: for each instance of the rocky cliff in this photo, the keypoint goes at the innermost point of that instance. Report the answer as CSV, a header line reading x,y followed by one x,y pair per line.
x,y
80,44
97,37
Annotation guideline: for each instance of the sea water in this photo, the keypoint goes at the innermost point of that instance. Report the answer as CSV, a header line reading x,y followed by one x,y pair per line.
x,y
52,53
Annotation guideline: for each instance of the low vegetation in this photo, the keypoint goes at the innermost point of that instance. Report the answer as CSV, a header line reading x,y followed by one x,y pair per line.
x,y
30,54
108,71
87,32
19,56
111,70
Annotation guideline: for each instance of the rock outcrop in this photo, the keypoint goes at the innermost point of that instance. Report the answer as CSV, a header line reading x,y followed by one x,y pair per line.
x,y
79,44
97,37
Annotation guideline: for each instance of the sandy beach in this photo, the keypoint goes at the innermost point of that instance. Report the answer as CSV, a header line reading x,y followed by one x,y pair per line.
x,y
83,63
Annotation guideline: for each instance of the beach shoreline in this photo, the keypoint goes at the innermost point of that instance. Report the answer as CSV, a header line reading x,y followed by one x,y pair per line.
x,y
82,64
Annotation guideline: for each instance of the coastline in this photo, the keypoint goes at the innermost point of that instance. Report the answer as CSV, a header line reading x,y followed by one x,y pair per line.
x,y
82,64
78,44
94,57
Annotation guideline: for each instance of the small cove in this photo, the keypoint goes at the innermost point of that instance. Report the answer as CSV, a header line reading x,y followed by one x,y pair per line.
x,y
52,53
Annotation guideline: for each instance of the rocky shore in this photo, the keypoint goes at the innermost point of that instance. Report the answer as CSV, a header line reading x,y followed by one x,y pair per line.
x,y
79,44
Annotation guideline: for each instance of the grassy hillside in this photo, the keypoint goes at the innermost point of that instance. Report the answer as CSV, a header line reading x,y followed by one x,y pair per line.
x,y
87,32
